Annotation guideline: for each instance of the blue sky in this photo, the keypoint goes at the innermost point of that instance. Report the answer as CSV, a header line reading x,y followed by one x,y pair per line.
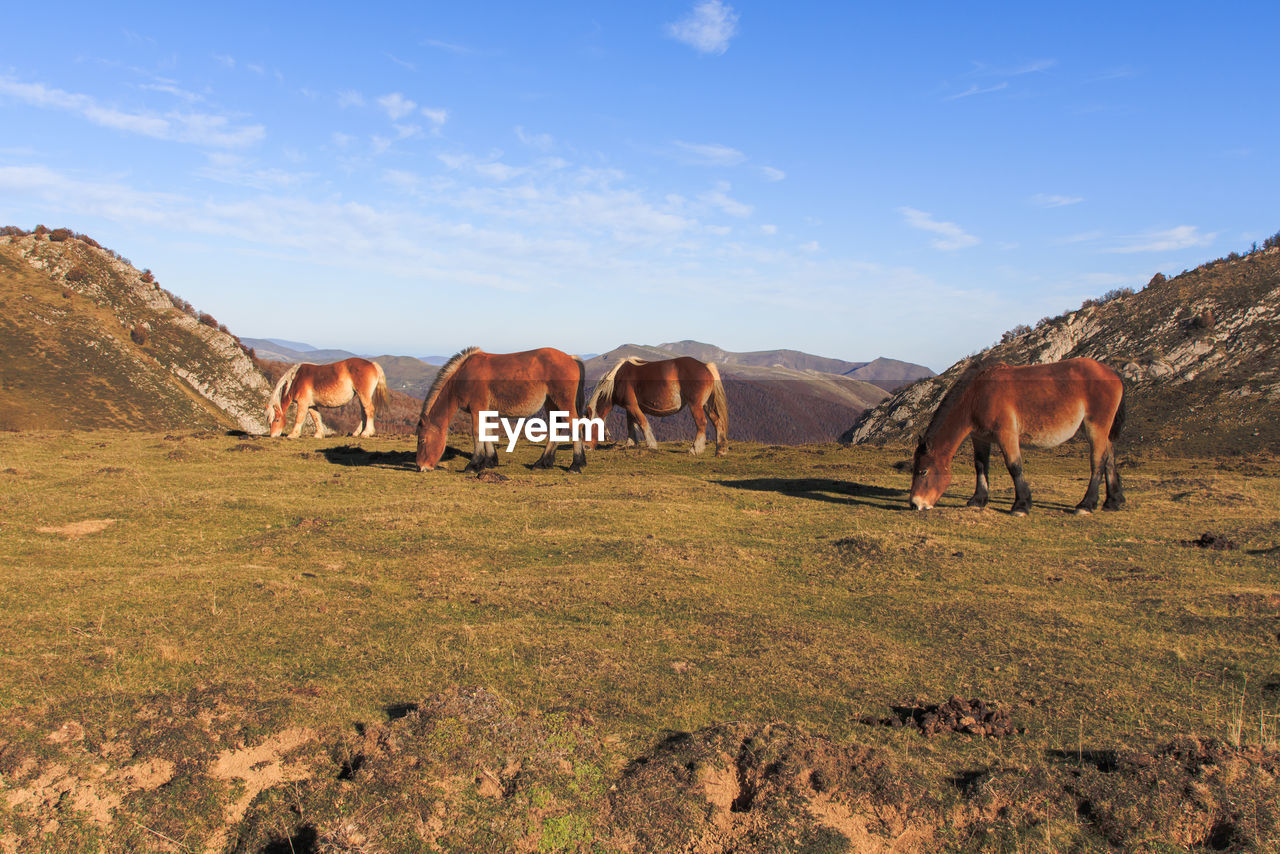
x,y
849,179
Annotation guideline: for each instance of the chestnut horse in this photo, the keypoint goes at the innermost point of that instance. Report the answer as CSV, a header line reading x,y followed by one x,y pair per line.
x,y
1042,405
327,385
512,384
664,388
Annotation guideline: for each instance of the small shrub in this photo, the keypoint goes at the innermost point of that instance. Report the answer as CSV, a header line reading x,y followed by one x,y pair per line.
x,y
1272,242
1157,279
207,319
139,334
148,277
40,231
60,234
66,293
77,274
13,231
1203,320
1016,332
84,238
1117,293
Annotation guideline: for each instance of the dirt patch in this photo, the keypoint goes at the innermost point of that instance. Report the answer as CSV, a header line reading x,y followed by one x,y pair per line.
x,y
1214,542
973,717
255,769
246,446
82,528
488,476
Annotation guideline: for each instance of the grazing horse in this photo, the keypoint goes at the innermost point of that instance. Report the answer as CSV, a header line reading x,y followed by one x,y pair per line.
x,y
1042,405
327,385
515,384
664,388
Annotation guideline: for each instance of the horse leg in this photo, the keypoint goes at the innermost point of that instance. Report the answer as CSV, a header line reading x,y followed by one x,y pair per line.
x,y
699,428
476,463
632,431
722,432
649,441
981,464
490,455
366,415
1012,451
303,406
1098,451
315,416
1115,494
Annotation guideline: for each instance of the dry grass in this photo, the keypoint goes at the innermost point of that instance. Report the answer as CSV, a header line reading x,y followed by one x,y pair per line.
x,y
249,587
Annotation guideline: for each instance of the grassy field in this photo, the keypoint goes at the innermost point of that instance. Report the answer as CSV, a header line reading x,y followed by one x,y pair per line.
x,y
214,642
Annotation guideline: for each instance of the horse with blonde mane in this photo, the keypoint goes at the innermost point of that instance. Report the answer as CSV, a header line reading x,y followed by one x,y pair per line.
x,y
1043,405
661,389
312,386
511,384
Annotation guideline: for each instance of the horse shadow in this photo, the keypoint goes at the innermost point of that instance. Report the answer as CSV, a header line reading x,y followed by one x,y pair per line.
x,y
821,489
354,455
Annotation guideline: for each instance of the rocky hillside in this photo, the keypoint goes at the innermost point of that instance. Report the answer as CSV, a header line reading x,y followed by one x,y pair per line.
x,y
88,341
1198,353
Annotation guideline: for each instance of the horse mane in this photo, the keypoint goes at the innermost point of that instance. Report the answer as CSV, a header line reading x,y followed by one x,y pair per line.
x,y
449,369
953,395
604,388
277,394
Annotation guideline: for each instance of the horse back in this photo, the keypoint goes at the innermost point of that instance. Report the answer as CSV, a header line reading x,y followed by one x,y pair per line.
x,y
1045,403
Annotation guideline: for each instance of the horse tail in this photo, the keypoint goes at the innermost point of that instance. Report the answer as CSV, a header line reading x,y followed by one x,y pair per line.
x,y
719,403
1117,421
282,387
380,390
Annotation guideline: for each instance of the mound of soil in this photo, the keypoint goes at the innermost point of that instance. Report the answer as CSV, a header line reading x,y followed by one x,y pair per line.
x,y
1216,542
975,717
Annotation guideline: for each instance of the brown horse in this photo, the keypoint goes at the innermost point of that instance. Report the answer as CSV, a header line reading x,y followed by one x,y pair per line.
x,y
515,384
312,386
1041,405
664,388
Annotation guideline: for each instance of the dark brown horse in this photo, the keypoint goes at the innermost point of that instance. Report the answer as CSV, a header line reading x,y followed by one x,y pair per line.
x,y
514,384
327,385
1042,405
664,388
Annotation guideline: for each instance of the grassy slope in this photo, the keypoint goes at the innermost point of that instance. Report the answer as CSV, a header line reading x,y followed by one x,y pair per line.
x,y
656,591
67,361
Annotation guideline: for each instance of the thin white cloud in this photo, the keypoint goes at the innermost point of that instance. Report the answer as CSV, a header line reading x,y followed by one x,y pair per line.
x,y
350,98
1047,200
1170,239
224,60
975,89
460,50
811,246
772,174
951,236
769,229
707,28
709,153
170,88
540,141
1080,237
720,198
196,128
437,116
341,140
396,106
403,63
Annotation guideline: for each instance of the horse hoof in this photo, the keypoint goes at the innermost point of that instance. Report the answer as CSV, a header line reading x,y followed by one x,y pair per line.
x,y
1018,513
1083,511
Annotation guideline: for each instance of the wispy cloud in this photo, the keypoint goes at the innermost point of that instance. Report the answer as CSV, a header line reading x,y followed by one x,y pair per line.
x,y
950,235
540,141
350,98
1047,200
396,106
437,116
975,89
719,198
709,153
1170,239
460,50
1081,237
195,128
772,174
403,63
707,28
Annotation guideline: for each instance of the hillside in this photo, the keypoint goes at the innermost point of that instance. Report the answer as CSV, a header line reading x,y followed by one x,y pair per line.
x,y
1197,352
770,404
886,373
87,341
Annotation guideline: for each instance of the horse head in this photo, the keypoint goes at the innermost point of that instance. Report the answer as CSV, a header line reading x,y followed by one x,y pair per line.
x,y
930,476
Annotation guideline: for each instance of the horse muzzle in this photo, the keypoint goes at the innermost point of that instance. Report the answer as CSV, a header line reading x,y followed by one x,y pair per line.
x,y
918,503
